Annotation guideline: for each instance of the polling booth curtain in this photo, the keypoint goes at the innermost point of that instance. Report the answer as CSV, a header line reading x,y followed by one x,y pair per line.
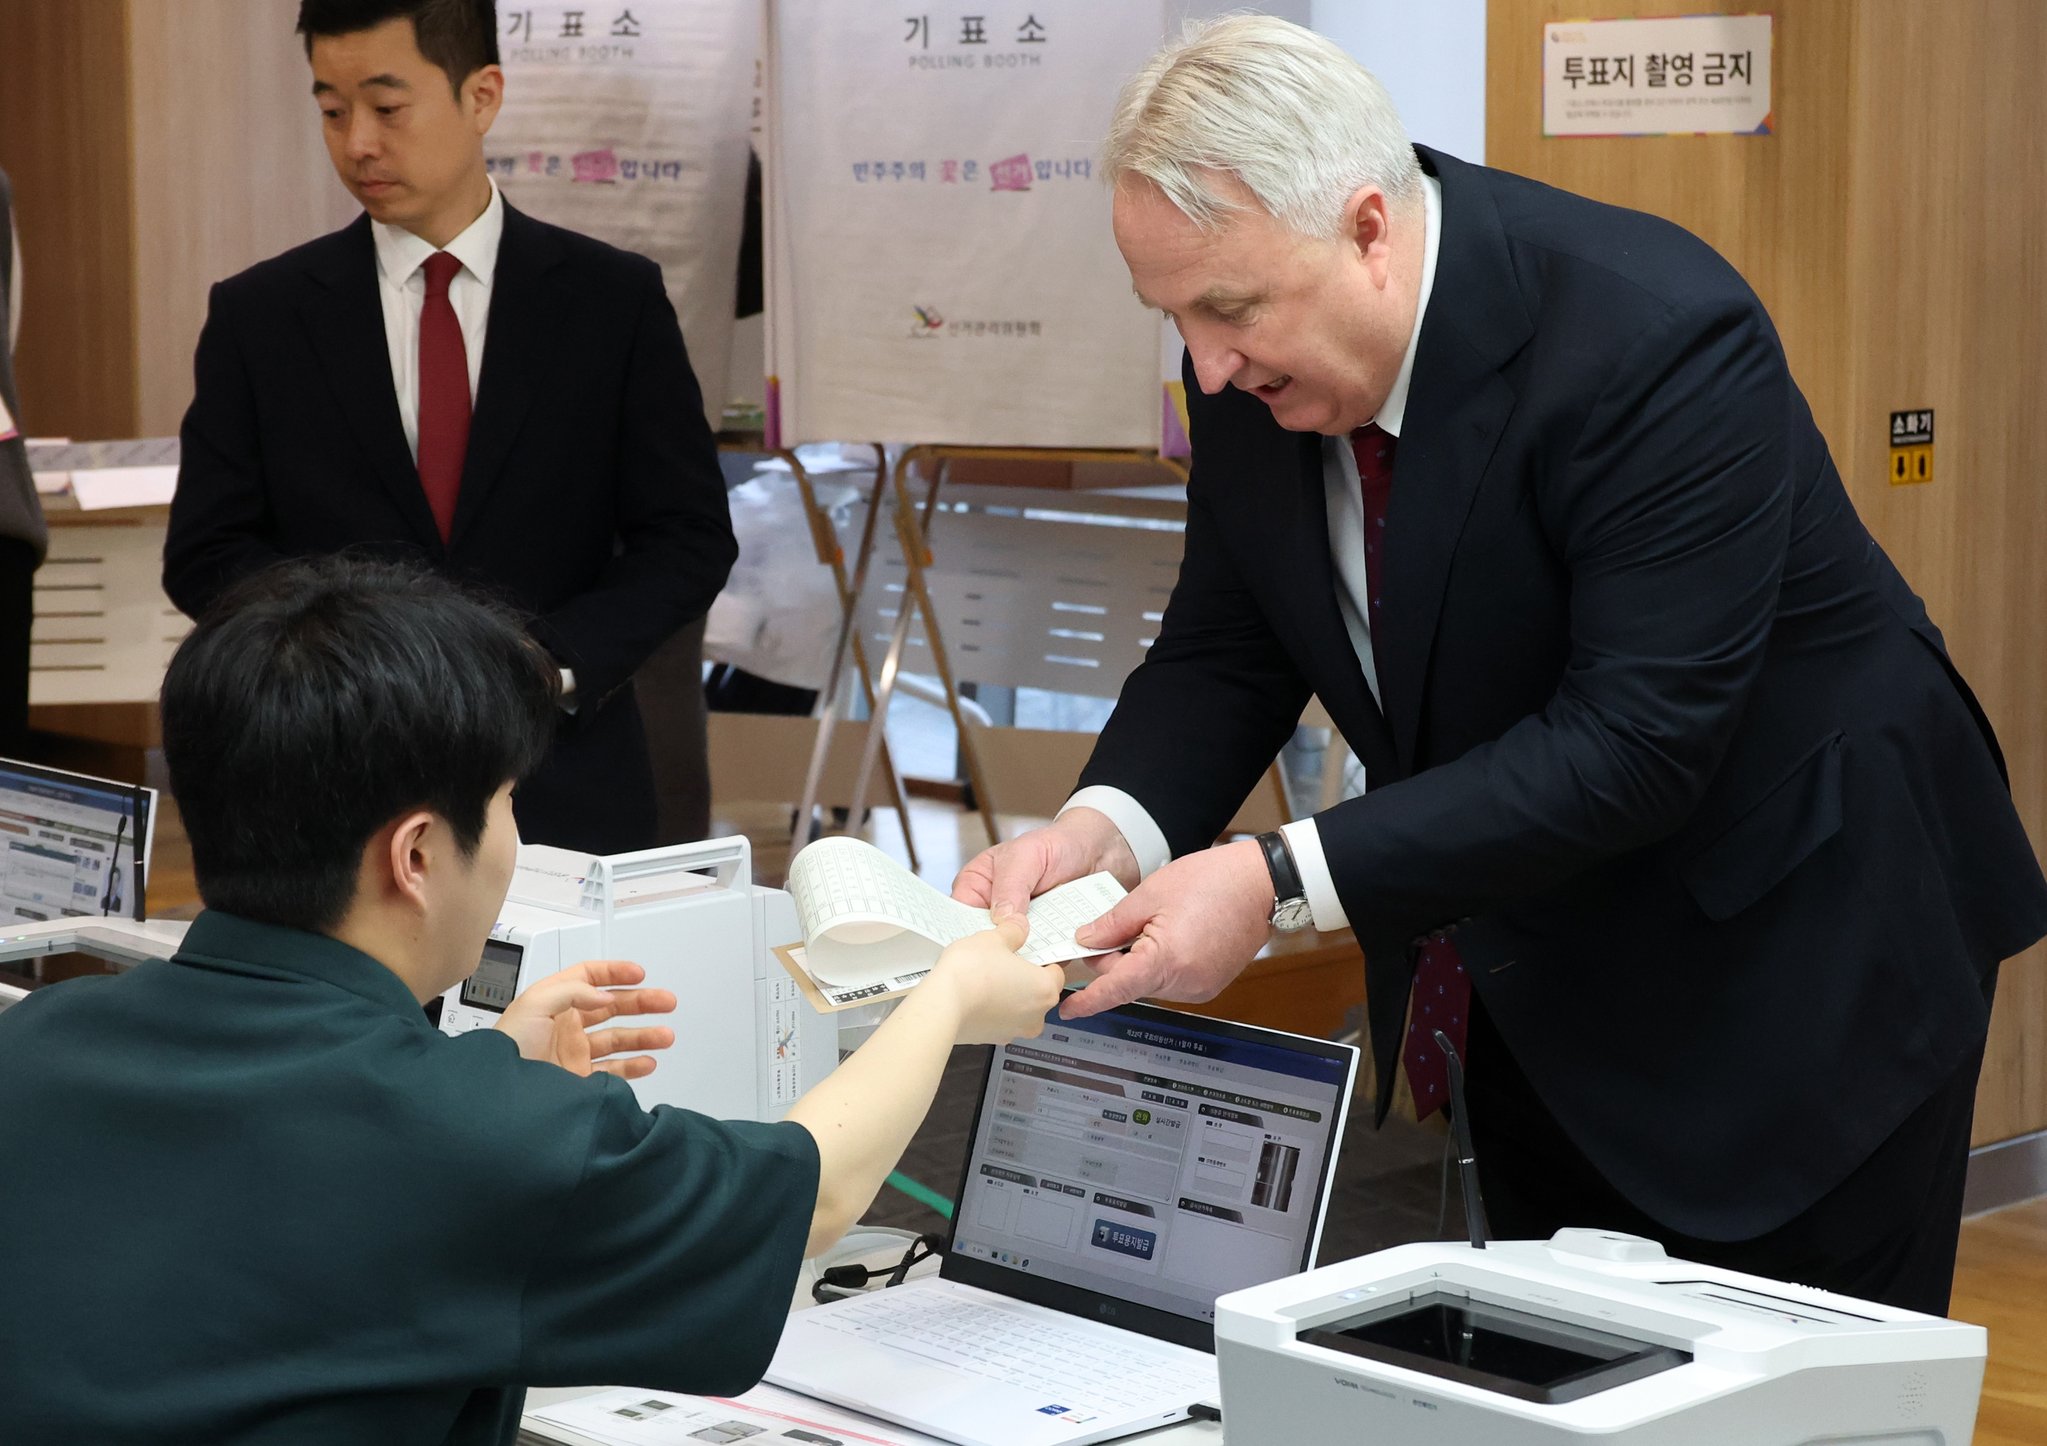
x,y
629,122
940,263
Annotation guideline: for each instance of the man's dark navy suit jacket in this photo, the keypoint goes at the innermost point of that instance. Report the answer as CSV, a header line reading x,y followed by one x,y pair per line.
x,y
591,497
1725,837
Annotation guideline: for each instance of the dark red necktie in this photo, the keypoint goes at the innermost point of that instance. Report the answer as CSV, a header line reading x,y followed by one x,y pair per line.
x,y
1442,990
443,394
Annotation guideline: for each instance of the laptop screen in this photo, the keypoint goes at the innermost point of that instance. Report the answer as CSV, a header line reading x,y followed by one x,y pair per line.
x,y
70,845
1149,1157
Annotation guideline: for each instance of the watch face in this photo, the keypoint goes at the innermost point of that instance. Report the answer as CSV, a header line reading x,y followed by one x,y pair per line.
x,y
1291,914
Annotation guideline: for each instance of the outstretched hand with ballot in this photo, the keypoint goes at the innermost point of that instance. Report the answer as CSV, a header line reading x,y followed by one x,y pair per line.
x,y
1186,931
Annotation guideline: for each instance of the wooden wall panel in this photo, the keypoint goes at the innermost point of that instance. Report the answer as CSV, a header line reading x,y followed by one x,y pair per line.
x,y
1896,227
1947,278
64,142
1776,206
226,172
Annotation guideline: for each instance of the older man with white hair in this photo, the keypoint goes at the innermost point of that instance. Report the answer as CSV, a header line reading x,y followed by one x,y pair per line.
x,y
1677,811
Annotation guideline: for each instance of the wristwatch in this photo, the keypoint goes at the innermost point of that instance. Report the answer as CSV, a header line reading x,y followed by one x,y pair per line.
x,y
1289,896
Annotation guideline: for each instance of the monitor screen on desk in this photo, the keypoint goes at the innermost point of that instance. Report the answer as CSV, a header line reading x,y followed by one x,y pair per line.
x,y
71,846
1154,1158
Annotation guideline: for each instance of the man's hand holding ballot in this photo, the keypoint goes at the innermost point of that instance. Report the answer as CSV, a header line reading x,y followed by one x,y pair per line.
x,y
1187,930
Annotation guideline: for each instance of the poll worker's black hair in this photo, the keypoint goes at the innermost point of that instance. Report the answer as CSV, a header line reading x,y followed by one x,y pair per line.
x,y
320,700
460,36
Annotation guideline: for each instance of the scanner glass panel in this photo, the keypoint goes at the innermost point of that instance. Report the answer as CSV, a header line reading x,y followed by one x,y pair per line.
x,y
1495,1347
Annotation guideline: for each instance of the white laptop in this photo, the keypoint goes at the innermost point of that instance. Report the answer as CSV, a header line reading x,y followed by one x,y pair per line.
x,y
1125,1171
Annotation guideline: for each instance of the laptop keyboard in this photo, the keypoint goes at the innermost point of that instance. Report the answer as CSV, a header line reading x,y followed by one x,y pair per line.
x,y
1037,1353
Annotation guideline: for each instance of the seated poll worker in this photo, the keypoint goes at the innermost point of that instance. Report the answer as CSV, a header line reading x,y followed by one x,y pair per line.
x,y
253,1196
1678,812
449,380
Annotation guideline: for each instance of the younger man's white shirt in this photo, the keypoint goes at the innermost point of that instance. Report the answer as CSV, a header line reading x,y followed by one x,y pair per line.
x,y
401,285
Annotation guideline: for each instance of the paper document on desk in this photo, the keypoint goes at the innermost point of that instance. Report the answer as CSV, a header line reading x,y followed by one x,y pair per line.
x,y
866,918
764,1416
129,472
102,487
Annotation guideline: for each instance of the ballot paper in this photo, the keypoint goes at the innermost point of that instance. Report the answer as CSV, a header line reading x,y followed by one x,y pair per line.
x,y
764,1416
869,922
559,878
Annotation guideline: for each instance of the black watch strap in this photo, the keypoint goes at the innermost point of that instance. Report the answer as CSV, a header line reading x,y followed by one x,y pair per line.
x,y
1279,862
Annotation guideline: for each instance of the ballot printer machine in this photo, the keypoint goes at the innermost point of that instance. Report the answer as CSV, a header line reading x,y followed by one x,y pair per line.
x,y
747,1041
1590,1336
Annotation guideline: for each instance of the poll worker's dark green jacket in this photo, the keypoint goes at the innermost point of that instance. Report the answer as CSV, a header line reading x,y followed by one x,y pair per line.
x,y
249,1195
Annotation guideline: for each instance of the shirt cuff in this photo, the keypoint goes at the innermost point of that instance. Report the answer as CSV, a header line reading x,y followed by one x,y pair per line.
x,y
1323,903
567,701
1147,842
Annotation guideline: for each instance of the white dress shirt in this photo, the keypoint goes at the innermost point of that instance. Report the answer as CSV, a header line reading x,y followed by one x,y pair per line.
x,y
401,283
1343,499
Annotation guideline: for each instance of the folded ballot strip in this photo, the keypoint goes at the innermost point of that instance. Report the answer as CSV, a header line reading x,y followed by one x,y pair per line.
x,y
871,928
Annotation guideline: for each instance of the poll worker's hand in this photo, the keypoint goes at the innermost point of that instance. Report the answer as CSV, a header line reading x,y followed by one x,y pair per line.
x,y
1082,841
998,996
555,1020
1189,929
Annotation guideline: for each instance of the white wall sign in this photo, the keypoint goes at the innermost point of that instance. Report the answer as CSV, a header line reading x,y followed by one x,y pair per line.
x,y
940,261
627,120
1689,75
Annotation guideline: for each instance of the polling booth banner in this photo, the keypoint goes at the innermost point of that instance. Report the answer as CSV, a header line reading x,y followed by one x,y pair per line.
x,y
940,262
629,123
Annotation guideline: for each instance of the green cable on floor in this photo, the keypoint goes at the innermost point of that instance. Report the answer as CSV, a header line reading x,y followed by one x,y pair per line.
x,y
923,1194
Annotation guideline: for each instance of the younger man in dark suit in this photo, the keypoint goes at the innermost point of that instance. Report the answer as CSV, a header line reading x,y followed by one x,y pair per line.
x,y
254,1197
449,380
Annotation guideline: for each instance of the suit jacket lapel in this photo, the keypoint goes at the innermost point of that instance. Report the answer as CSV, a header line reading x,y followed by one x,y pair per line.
x,y
1458,405
344,317
523,332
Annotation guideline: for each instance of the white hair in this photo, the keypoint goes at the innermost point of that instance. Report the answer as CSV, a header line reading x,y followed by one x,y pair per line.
x,y
1282,109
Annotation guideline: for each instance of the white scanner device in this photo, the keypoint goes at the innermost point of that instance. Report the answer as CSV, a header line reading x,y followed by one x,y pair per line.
x,y
1591,1336
747,1042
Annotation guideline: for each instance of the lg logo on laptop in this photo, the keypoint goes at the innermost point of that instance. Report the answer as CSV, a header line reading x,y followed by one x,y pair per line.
x,y
1107,1309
